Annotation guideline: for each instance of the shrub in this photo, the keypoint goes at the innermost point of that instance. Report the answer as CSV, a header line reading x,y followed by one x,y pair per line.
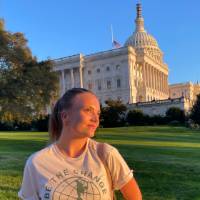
x,y
135,117
174,123
6,126
191,124
175,114
156,120
112,115
41,124
195,112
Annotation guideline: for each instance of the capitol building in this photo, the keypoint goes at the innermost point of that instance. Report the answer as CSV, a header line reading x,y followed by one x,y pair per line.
x,y
134,73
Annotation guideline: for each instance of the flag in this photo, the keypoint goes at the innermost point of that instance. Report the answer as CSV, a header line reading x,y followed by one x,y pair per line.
x,y
116,44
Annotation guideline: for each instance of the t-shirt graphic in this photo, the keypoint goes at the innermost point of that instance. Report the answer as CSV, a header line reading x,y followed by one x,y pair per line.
x,y
76,188
75,185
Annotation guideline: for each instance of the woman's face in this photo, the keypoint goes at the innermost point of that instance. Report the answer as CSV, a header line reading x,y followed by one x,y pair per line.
x,y
83,118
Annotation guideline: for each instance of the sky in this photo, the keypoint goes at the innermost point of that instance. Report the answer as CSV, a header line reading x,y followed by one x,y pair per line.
x,y
60,28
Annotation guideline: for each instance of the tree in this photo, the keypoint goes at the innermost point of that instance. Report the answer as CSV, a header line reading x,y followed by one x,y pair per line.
x,y
175,114
136,117
195,112
26,85
112,115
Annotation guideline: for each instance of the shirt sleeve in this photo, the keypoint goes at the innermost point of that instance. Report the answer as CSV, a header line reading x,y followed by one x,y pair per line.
x,y
29,186
120,172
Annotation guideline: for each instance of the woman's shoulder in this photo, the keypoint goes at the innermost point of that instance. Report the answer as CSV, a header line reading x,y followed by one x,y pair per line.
x,y
39,156
102,147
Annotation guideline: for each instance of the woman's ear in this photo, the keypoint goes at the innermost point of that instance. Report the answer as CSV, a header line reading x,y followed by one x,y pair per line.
x,y
64,116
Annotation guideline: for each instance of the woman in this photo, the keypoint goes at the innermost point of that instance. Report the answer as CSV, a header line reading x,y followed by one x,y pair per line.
x,y
74,166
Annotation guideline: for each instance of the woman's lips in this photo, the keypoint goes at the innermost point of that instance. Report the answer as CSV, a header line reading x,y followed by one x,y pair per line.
x,y
92,126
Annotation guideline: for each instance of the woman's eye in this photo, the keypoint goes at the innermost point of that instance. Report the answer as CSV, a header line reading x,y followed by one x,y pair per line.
x,y
88,110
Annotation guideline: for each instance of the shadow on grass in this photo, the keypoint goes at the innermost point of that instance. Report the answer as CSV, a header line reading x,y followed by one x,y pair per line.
x,y
14,153
9,145
10,189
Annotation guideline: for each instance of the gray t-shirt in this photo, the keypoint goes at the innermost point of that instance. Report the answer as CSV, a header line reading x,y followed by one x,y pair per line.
x,y
49,174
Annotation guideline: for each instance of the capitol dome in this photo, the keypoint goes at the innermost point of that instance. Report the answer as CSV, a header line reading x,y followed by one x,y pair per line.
x,y
140,39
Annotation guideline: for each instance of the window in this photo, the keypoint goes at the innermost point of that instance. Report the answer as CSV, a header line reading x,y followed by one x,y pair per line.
x,y
119,98
99,84
118,83
98,70
117,67
90,85
89,72
108,84
108,69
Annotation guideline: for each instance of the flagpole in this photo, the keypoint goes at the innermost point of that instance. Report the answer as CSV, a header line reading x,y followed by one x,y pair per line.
x,y
112,34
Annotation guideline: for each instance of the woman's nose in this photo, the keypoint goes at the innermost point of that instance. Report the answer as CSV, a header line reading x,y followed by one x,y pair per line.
x,y
95,117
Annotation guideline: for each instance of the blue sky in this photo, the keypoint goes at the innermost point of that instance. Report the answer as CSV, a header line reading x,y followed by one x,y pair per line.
x,y
59,28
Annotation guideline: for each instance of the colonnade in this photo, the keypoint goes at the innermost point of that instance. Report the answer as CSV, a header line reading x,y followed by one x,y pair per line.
x,y
72,79
154,78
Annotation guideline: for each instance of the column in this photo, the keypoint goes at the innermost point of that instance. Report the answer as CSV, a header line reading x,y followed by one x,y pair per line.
x,y
149,70
166,85
157,77
162,83
81,76
72,77
147,75
157,80
154,78
160,78
143,74
63,81
151,73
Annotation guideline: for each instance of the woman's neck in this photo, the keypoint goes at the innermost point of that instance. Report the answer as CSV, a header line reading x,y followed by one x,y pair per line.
x,y
72,147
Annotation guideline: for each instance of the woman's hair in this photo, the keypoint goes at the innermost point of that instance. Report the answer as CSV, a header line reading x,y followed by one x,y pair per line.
x,y
64,103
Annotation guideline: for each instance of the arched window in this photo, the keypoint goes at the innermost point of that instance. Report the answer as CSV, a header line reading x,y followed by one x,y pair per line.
x,y
99,84
108,84
117,67
90,86
118,83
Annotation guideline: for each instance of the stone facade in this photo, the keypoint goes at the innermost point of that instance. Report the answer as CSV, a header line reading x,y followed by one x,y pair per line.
x,y
108,74
187,90
159,107
134,73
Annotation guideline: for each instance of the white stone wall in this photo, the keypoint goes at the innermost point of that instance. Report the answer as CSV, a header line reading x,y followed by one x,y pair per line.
x,y
182,90
115,74
108,74
160,107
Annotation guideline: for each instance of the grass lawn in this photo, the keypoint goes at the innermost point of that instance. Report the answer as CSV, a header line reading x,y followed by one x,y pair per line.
x,y
166,160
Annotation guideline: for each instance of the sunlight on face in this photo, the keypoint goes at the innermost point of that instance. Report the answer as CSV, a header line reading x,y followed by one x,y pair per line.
x,y
84,115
